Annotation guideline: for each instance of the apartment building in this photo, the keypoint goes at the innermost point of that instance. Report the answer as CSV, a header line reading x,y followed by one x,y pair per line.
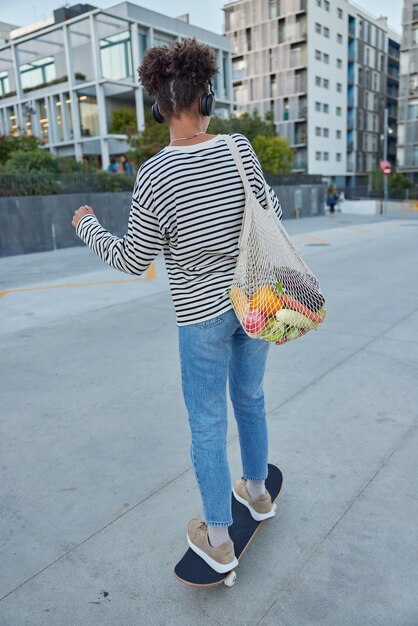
x,y
407,149
60,79
321,68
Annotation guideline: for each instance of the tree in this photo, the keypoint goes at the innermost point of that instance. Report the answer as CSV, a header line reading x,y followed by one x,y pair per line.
x,y
9,144
274,153
398,183
150,141
249,125
123,121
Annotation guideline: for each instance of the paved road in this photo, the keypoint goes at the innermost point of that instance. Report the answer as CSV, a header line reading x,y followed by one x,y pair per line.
x,y
96,485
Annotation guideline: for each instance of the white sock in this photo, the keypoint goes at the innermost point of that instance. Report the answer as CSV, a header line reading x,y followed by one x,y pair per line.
x,y
256,488
217,535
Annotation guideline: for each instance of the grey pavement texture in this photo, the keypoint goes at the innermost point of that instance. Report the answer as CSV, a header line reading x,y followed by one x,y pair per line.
x,y
96,484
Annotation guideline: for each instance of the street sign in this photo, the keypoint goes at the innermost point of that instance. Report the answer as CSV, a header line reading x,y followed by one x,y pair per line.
x,y
385,167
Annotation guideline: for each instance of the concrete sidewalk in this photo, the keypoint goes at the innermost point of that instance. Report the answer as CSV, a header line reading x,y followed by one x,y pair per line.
x,y
96,484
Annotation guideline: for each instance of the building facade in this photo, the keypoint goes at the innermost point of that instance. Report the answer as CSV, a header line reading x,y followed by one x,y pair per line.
x,y
61,79
321,68
407,149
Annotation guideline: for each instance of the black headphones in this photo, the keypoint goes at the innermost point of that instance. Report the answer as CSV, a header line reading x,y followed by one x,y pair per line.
x,y
207,106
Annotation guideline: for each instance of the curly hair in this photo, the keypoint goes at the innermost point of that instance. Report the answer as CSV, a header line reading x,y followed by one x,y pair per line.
x,y
178,74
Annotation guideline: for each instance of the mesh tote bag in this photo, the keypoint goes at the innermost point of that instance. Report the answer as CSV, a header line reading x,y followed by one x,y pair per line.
x,y
274,294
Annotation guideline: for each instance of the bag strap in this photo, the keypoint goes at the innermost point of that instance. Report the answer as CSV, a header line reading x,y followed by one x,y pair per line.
x,y
246,220
238,162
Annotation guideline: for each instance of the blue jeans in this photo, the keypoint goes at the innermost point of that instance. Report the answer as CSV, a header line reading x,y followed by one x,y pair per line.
x,y
212,352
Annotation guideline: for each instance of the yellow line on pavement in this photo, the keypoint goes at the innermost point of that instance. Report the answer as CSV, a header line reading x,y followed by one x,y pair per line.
x,y
150,274
319,239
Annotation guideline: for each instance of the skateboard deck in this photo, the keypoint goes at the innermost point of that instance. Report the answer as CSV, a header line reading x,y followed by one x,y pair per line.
x,y
192,569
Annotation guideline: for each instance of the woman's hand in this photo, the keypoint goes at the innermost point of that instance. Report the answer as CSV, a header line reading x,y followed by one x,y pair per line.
x,y
81,212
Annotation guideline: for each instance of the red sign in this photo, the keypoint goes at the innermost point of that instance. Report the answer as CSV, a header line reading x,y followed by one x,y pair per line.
x,y
385,167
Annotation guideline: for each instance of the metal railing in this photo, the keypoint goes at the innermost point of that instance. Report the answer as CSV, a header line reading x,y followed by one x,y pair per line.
x,y
42,183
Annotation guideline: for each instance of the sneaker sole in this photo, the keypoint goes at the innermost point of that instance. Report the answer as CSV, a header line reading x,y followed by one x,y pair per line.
x,y
221,568
259,517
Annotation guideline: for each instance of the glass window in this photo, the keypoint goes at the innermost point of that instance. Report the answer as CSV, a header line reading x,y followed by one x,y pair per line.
x,y
319,3
339,38
89,112
326,132
326,5
115,47
326,108
4,83
326,32
143,44
59,117
339,87
326,58
318,28
318,55
318,81
42,115
37,73
42,61
318,156
413,111
318,131
340,13
338,155
274,9
317,106
326,156
338,134
338,110
339,63
7,80
326,83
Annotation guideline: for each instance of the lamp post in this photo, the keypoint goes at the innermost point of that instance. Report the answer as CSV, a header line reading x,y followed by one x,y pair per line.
x,y
386,131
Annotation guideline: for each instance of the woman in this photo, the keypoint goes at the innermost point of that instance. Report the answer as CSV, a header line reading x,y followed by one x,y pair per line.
x,y
188,201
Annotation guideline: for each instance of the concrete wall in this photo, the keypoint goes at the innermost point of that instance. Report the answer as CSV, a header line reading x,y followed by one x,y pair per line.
x,y
40,223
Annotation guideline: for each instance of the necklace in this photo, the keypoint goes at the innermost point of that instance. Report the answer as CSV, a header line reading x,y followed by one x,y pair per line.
x,y
202,132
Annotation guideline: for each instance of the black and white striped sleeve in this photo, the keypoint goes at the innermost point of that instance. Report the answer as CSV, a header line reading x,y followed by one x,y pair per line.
x,y
132,253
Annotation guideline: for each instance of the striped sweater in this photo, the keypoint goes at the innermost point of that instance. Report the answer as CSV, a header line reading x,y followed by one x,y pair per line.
x,y
187,201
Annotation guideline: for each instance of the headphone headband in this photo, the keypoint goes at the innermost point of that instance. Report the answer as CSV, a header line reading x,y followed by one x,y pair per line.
x,y
206,105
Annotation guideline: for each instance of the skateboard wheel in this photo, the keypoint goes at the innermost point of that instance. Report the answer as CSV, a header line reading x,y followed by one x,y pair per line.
x,y
231,579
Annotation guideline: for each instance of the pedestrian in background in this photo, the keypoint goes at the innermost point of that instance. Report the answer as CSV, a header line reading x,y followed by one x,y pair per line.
x,y
113,167
126,165
332,198
189,200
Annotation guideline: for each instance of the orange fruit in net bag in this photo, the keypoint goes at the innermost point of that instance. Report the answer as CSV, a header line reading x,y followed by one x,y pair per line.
x,y
239,302
266,300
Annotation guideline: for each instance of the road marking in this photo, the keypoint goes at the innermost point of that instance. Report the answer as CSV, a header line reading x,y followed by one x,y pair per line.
x,y
360,229
150,274
319,239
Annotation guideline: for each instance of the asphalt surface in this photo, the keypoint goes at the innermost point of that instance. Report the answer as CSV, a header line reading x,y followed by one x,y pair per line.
x,y
96,484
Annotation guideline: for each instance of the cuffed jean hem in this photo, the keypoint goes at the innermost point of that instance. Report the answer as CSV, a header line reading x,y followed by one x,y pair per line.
x,y
254,479
219,524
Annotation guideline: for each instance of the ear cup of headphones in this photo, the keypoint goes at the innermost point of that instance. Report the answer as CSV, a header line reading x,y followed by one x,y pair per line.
x,y
156,114
207,104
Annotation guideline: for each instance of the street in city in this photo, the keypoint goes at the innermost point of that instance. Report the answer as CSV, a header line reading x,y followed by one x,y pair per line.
x,y
96,482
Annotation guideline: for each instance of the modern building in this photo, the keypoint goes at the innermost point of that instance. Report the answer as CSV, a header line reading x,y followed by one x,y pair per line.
x,y
407,150
321,67
60,79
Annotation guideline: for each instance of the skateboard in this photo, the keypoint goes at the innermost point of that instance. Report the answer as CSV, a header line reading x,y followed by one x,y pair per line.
x,y
192,569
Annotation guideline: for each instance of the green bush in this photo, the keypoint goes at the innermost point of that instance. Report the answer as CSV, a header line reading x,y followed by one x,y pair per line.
x,y
38,160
